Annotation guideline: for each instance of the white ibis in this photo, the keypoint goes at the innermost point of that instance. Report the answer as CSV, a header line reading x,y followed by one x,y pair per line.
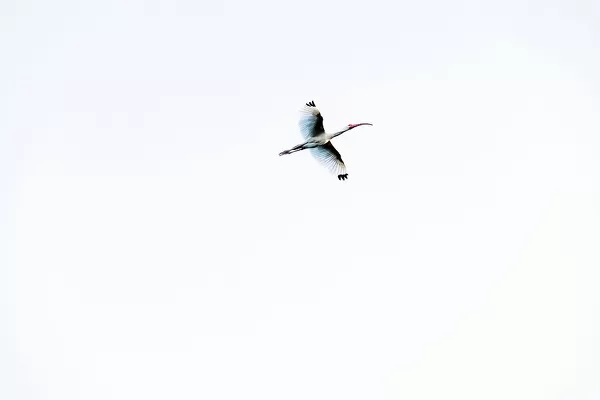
x,y
319,142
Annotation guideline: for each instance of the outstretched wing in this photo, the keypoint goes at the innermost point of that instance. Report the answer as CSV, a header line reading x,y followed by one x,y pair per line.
x,y
331,159
311,121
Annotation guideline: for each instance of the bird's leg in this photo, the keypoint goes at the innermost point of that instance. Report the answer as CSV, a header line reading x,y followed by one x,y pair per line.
x,y
293,149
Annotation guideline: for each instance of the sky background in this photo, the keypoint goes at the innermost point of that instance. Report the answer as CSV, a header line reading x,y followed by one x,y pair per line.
x,y
154,246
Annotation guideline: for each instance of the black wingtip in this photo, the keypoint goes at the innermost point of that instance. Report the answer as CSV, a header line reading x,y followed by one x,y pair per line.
x,y
311,104
343,177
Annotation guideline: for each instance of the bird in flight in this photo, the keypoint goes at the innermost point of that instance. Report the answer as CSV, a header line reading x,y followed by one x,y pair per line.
x,y
319,142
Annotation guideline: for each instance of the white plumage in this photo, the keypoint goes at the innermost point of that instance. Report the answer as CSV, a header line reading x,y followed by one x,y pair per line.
x,y
319,142
311,122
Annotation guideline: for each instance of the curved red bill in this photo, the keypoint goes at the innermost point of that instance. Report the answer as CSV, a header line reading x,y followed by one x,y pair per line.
x,y
362,123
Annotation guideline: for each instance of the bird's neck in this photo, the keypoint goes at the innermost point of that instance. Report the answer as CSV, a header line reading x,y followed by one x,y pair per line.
x,y
335,134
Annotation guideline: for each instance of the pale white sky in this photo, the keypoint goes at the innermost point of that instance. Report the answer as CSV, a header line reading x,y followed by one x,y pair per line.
x,y
154,246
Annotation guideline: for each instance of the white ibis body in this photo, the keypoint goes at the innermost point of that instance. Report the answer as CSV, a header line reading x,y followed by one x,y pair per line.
x,y
319,142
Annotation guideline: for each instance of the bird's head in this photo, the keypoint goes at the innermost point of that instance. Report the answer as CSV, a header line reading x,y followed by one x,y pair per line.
x,y
352,126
